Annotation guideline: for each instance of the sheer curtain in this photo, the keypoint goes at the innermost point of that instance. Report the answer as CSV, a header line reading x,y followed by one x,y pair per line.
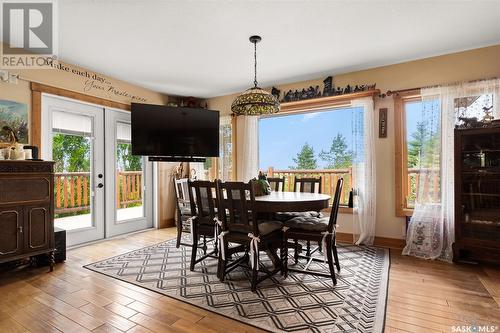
x,y
226,149
364,171
431,231
247,131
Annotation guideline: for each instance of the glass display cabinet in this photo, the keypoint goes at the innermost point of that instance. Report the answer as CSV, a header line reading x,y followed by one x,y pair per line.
x,y
477,194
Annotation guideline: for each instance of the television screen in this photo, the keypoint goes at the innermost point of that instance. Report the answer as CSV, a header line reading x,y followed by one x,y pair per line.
x,y
174,131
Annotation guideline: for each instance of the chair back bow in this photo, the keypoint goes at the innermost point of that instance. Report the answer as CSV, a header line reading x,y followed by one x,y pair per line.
x,y
323,242
254,249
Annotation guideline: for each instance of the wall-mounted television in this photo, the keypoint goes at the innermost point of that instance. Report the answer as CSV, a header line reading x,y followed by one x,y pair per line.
x,y
174,132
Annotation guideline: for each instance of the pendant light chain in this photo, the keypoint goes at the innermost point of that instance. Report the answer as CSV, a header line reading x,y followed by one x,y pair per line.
x,y
255,64
255,101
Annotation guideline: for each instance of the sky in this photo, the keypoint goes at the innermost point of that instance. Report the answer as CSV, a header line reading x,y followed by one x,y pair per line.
x,y
282,137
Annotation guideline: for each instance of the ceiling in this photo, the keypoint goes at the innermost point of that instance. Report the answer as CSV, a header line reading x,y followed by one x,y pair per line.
x,y
201,48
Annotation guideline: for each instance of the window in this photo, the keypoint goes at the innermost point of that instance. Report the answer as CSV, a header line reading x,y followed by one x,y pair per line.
x,y
221,167
410,139
417,129
311,144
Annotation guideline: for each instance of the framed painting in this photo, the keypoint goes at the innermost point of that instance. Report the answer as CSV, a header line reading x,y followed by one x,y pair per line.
x,y
15,116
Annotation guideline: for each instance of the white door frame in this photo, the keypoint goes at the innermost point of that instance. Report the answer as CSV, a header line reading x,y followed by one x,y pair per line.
x,y
104,228
114,227
55,103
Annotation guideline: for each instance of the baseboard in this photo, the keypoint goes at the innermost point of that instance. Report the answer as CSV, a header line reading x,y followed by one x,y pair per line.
x,y
391,243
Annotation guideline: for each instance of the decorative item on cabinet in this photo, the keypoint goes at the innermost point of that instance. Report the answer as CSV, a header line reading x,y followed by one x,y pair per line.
x,y
26,210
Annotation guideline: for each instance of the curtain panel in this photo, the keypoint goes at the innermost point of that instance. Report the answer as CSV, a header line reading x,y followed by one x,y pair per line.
x,y
247,165
431,231
364,171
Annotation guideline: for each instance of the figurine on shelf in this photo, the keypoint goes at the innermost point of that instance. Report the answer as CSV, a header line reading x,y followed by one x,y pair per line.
x,y
328,89
276,93
357,89
296,96
288,96
303,94
488,117
347,89
339,91
371,87
317,92
469,122
311,93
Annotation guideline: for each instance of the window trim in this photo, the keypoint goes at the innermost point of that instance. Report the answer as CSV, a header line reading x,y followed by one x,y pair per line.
x,y
401,149
318,105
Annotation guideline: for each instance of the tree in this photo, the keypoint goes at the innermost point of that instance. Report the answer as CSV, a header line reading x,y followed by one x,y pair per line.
x,y
416,144
127,161
71,153
305,158
339,156
423,143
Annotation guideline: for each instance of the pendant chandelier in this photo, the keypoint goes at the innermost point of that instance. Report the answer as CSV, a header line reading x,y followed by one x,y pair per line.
x,y
255,101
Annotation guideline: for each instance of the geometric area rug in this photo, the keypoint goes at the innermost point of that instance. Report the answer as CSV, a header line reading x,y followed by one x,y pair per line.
x,y
299,303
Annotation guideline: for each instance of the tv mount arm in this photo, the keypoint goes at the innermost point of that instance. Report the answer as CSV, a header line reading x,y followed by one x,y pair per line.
x,y
175,159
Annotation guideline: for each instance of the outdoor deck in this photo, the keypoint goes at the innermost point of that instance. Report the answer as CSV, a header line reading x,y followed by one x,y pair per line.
x,y
85,220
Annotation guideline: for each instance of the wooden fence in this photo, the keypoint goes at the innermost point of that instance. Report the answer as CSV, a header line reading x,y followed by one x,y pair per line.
x,y
72,191
329,179
428,178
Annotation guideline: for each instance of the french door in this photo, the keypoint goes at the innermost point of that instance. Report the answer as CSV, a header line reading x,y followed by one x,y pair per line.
x,y
100,189
128,198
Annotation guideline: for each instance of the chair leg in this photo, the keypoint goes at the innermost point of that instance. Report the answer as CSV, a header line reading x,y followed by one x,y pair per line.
x,y
296,253
255,271
221,269
330,260
194,247
179,232
204,245
308,249
216,246
336,256
284,258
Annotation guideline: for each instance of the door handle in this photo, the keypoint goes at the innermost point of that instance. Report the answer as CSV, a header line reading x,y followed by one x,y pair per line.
x,y
100,185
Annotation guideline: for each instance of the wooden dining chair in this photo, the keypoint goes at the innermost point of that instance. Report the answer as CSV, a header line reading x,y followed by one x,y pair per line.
x,y
307,185
303,185
277,184
203,222
240,226
313,229
183,209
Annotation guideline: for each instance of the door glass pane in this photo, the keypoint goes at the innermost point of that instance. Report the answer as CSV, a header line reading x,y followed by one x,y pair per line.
x,y
72,153
129,177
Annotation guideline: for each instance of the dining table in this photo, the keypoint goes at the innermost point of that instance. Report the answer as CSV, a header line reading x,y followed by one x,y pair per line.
x,y
278,201
282,201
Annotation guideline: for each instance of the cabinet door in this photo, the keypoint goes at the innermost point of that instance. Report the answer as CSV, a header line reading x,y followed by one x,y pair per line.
x,y
11,228
38,226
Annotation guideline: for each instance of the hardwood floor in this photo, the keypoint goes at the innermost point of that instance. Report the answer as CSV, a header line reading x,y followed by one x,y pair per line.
x,y
424,296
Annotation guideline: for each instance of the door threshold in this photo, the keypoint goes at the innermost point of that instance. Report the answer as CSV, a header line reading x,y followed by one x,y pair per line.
x,y
125,235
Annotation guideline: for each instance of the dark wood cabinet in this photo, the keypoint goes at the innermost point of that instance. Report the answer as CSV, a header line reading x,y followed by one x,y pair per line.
x,y
477,194
26,209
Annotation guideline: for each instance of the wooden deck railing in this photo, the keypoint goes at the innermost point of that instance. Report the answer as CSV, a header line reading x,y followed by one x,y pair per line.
x,y
428,178
329,179
72,190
